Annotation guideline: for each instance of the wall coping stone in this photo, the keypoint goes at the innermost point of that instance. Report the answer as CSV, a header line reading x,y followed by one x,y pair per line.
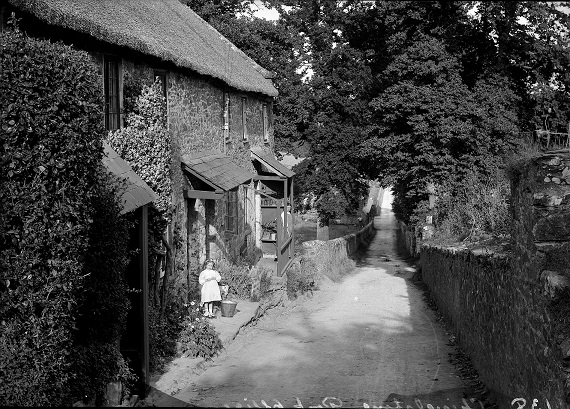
x,y
476,249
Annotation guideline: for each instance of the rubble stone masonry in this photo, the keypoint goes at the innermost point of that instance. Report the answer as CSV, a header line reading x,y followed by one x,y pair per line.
x,y
195,107
501,305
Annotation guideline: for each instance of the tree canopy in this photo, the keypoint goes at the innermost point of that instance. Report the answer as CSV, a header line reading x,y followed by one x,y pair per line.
x,y
405,92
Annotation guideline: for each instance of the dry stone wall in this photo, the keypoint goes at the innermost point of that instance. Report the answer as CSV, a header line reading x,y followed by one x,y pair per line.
x,y
509,309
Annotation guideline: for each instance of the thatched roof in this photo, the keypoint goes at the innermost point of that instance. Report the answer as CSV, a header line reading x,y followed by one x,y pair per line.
x,y
162,28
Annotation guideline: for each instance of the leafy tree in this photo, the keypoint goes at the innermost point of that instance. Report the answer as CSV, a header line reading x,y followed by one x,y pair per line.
x,y
432,127
273,46
410,92
526,41
330,204
339,91
454,86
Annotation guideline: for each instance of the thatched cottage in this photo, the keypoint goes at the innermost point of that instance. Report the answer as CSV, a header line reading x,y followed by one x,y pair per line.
x,y
227,183
219,104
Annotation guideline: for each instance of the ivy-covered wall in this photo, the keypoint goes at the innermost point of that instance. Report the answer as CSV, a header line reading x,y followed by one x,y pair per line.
x,y
195,108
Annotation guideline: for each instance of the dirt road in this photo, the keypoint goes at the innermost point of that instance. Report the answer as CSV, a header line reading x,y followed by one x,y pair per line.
x,y
369,340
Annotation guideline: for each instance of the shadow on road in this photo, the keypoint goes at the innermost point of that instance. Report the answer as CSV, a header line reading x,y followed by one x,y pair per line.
x,y
376,343
165,399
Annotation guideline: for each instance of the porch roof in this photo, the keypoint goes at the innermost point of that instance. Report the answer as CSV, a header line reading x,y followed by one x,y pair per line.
x,y
138,193
270,162
216,169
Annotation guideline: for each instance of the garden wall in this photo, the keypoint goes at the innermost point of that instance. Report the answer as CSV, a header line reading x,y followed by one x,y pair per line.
x,y
410,239
332,257
510,310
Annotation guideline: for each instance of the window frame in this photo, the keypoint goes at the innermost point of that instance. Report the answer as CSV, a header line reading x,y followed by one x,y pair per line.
x,y
265,120
226,116
245,207
3,18
109,97
231,216
244,118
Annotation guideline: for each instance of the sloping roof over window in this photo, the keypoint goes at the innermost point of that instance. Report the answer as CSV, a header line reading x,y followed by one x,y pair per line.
x,y
165,29
138,193
271,163
216,169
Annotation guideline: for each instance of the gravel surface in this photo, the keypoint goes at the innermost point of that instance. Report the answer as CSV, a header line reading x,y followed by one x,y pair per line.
x,y
370,340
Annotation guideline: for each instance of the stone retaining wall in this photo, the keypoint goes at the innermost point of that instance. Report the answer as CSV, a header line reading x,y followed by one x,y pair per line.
x,y
511,311
332,257
500,319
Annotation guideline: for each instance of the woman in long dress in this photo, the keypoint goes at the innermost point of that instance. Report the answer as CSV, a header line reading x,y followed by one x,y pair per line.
x,y
209,279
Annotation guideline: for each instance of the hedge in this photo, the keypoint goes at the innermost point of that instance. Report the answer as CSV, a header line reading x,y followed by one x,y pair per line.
x,y
54,200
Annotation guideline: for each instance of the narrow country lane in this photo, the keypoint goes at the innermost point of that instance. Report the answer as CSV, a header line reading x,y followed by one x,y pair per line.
x,y
367,341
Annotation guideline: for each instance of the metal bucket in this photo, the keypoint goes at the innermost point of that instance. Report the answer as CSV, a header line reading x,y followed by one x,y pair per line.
x,y
228,308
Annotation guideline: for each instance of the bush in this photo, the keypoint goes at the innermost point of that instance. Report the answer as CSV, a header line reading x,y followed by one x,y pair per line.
x,y
302,278
163,332
476,209
198,338
104,303
330,205
52,188
237,277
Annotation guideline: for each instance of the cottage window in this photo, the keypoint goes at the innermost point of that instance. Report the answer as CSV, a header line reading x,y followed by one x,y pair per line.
x,y
243,117
231,211
265,120
226,126
112,103
3,18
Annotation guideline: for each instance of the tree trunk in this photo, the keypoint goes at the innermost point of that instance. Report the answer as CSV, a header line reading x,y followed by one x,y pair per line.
x,y
323,228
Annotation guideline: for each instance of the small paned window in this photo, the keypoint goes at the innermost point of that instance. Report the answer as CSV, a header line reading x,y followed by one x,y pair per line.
x,y
265,120
231,211
112,103
226,119
3,18
244,117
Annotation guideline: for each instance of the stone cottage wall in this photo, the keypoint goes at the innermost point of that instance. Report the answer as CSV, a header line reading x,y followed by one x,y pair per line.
x,y
195,107
501,304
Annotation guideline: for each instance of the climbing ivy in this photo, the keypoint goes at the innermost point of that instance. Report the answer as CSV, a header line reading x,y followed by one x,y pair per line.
x,y
145,144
